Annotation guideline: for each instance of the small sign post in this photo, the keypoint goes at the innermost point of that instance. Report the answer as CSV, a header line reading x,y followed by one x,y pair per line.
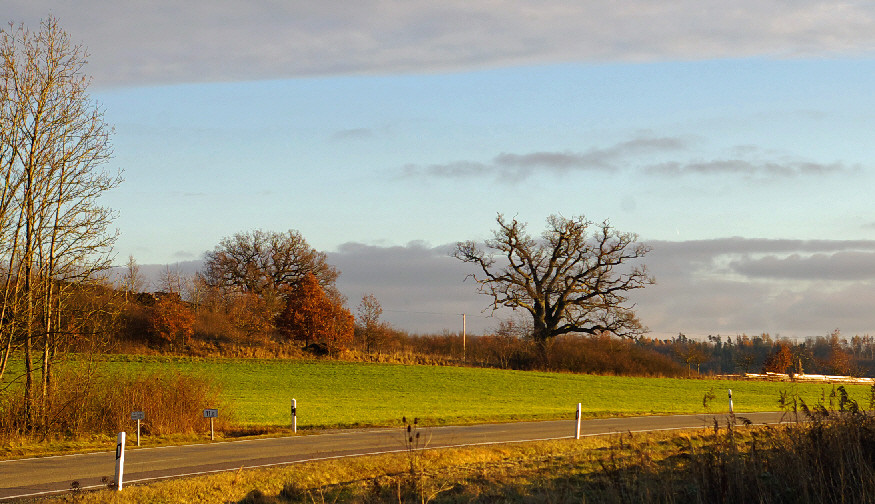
x,y
138,415
119,460
577,417
294,416
211,414
730,402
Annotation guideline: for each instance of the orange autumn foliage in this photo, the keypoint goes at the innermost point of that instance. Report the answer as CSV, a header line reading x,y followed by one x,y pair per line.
x,y
779,360
311,316
171,321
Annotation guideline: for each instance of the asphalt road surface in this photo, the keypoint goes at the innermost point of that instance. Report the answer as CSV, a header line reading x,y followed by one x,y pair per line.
x,y
49,475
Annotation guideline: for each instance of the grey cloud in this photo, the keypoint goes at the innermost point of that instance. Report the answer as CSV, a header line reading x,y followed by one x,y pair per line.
x,y
458,169
756,257
515,167
851,265
789,287
735,285
181,194
555,160
695,293
817,310
726,286
739,245
184,254
696,305
420,287
511,167
165,41
595,158
745,167
352,134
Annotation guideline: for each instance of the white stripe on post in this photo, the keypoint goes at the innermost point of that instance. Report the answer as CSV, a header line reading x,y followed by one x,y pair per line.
x,y
119,460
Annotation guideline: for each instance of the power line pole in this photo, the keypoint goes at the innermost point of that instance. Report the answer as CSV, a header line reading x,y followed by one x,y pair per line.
x,y
464,343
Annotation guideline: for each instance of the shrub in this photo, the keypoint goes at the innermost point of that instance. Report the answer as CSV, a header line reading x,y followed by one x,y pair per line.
x,y
85,400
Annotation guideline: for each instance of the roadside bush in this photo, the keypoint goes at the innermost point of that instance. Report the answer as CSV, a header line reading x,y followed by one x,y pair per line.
x,y
87,401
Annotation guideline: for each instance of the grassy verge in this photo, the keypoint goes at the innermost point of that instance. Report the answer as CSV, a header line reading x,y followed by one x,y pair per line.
x,y
362,478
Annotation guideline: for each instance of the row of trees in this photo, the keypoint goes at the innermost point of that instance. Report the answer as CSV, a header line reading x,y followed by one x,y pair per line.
x,y
54,236
831,354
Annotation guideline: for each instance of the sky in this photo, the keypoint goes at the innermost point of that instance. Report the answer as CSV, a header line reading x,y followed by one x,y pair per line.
x,y
734,138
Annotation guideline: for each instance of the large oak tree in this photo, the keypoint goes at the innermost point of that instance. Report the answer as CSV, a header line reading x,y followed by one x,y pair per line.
x,y
263,262
574,279
255,272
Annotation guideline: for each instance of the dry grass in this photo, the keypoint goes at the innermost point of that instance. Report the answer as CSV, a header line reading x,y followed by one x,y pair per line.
x,y
348,479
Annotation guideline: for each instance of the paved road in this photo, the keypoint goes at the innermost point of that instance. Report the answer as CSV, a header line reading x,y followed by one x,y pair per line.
x,y
48,475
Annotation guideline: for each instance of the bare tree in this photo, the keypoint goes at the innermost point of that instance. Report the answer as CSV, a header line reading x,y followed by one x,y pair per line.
x,y
261,261
369,312
267,265
53,231
172,282
132,281
568,281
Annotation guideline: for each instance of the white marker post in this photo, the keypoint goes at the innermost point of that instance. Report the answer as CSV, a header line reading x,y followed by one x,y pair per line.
x,y
119,460
577,431
138,415
294,416
211,414
730,402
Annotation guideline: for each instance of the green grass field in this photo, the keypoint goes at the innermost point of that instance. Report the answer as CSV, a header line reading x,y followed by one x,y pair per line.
x,y
348,394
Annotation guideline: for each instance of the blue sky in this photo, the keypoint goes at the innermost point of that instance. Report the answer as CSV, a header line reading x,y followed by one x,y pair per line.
x,y
735,139
393,159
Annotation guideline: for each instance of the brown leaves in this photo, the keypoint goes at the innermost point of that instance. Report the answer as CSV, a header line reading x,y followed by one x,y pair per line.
x,y
171,321
312,316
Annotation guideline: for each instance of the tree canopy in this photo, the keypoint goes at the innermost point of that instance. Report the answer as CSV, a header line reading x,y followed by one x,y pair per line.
x,y
569,280
261,262
310,315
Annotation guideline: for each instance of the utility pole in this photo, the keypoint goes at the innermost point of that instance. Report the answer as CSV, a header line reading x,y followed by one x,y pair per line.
x,y
464,343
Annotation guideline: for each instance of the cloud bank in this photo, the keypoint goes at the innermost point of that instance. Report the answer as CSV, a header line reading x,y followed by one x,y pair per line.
x,y
517,167
631,154
729,286
163,41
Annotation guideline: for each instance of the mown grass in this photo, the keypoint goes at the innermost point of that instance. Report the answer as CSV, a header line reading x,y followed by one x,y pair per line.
x,y
333,394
